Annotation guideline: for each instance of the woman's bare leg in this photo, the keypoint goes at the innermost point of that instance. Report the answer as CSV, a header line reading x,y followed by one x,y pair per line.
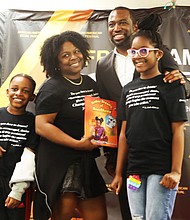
x,y
65,207
93,208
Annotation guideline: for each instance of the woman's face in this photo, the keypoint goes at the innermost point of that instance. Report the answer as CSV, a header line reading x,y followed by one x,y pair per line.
x,y
70,59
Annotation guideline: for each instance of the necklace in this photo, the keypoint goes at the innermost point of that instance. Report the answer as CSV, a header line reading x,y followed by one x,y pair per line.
x,y
74,83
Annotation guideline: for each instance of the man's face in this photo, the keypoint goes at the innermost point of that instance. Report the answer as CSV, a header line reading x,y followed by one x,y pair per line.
x,y
120,28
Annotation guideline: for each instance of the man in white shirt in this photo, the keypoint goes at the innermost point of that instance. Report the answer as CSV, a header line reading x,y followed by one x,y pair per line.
x,y
116,69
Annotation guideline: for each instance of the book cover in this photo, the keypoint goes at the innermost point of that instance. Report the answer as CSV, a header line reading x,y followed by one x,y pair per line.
x,y
100,121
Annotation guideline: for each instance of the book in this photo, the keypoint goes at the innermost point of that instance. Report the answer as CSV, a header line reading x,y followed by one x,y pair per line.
x,y
100,121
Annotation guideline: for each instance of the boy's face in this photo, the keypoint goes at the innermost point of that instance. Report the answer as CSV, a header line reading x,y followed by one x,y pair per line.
x,y
20,92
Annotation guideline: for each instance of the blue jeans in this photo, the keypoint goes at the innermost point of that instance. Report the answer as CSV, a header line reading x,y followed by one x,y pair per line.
x,y
151,201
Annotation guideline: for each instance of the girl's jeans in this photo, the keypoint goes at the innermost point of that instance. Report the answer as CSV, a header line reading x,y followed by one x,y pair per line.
x,y
151,201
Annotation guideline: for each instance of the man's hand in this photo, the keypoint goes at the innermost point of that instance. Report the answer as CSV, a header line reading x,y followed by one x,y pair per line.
x,y
2,150
173,76
110,167
11,203
111,163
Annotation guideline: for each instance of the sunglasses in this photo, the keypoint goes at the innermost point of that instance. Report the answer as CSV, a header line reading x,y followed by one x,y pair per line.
x,y
142,52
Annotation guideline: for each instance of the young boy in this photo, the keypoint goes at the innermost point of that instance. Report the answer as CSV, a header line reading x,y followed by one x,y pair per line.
x,y
17,135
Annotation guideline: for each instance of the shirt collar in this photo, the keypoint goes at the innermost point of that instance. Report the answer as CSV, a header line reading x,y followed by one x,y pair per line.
x,y
118,54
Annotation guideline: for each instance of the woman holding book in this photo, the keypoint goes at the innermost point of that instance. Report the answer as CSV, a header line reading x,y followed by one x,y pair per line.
x,y
73,179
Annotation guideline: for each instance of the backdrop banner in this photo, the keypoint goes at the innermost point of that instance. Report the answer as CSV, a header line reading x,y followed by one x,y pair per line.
x,y
22,34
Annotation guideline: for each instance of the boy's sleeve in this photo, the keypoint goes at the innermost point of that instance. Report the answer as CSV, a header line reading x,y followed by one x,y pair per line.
x,y
24,170
32,139
18,189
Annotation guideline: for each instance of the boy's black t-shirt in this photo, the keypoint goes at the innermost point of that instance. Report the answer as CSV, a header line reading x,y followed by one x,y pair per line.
x,y
16,133
149,107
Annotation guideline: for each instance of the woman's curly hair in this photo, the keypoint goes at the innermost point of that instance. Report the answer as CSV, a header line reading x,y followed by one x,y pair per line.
x,y
52,46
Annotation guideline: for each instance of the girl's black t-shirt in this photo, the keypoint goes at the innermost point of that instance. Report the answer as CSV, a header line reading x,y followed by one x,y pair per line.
x,y
149,107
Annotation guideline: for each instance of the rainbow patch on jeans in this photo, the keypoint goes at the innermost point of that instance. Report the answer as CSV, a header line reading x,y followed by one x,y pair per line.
x,y
134,182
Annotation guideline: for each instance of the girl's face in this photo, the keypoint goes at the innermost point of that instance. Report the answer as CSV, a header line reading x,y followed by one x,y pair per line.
x,y
70,59
146,65
98,123
20,92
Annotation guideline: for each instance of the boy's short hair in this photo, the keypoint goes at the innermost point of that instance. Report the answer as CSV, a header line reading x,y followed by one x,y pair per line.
x,y
33,83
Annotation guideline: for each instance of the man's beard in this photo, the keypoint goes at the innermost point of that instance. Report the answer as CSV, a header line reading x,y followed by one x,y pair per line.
x,y
123,44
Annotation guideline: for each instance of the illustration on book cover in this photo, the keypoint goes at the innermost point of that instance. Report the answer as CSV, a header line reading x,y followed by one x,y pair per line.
x,y
100,121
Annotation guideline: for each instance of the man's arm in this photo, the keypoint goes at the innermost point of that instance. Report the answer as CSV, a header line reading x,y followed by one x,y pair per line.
x,y
103,84
169,67
100,82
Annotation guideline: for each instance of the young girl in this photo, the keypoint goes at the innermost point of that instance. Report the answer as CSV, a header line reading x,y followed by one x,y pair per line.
x,y
17,135
152,138
99,130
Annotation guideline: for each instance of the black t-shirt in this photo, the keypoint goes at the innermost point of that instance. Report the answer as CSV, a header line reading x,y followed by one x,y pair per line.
x,y
149,107
16,133
59,95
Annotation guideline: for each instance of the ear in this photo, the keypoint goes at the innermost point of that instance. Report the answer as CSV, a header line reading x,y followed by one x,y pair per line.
x,y
159,54
7,91
135,27
33,96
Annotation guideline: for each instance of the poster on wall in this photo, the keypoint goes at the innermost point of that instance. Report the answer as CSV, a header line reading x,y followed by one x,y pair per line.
x,y
22,34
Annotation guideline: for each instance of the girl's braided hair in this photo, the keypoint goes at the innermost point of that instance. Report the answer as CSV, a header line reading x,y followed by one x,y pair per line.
x,y
148,27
